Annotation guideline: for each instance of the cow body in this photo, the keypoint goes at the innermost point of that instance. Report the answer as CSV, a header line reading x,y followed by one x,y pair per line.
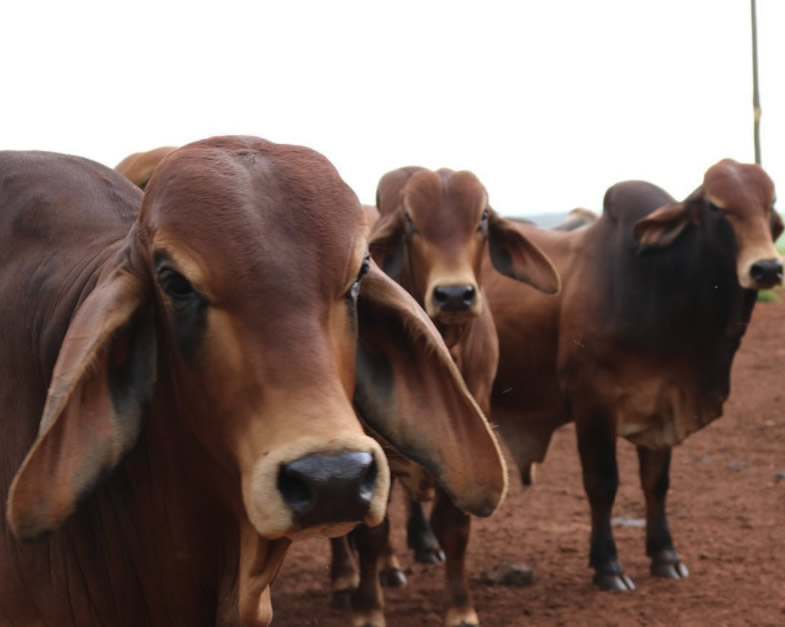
x,y
640,341
157,443
433,232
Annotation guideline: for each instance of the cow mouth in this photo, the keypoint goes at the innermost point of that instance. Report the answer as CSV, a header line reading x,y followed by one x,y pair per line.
x,y
455,317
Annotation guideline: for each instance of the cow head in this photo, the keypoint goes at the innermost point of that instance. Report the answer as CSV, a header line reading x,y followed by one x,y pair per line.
x,y
245,304
432,236
741,195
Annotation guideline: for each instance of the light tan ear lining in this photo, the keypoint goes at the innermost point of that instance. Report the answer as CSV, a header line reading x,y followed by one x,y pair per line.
x,y
516,256
410,392
664,225
94,407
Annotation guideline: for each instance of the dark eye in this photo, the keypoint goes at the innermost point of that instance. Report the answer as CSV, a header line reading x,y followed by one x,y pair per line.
x,y
175,285
410,227
355,288
483,221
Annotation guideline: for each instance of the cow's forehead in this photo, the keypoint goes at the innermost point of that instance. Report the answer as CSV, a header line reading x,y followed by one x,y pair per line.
x,y
739,186
445,197
261,209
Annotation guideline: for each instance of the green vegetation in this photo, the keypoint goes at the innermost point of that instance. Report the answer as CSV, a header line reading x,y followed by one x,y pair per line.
x,y
769,296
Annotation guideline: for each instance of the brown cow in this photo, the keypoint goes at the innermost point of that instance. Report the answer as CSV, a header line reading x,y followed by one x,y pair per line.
x,y
139,167
656,297
433,233
200,358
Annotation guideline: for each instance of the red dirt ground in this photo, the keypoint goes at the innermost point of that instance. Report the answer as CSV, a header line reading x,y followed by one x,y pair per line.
x,y
727,516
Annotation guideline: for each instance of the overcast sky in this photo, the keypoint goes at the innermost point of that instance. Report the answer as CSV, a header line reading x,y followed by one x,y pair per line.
x,y
548,103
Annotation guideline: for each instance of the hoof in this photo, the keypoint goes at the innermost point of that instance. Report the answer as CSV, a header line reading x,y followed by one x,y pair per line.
x,y
670,570
613,581
374,618
392,578
342,599
428,556
461,618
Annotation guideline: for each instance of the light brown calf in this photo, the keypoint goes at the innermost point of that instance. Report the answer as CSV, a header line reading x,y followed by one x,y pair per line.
x,y
434,230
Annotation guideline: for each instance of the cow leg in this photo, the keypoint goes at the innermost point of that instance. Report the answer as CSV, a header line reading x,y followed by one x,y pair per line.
x,y
452,527
367,600
597,448
655,480
344,577
419,536
391,575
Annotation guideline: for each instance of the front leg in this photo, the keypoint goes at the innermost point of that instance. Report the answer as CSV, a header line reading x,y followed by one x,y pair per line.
x,y
419,536
344,577
655,479
367,599
452,527
597,447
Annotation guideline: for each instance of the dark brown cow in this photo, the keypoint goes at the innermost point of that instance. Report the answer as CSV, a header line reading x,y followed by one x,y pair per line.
x,y
139,167
200,358
434,230
656,297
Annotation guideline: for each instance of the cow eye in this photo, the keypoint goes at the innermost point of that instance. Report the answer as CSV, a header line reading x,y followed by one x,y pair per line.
x,y
355,288
175,285
483,220
411,229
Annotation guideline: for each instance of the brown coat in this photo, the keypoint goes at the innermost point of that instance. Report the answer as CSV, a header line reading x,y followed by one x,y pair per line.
x,y
168,370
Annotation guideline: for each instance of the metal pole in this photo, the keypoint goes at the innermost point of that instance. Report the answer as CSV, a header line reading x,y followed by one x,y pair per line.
x,y
755,91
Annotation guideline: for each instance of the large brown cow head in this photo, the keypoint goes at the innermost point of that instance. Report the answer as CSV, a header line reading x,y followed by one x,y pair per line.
x,y
244,300
432,235
742,194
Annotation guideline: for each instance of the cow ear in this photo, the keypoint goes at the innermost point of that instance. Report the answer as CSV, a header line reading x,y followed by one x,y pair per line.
x,y
387,243
410,392
661,227
516,256
102,382
776,225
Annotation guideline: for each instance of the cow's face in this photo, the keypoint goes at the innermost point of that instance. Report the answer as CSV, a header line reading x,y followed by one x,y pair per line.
x,y
744,194
243,306
259,286
734,194
433,236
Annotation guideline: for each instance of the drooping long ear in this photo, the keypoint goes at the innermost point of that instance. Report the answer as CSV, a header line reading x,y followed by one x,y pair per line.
x,y
776,225
410,393
516,256
661,227
102,382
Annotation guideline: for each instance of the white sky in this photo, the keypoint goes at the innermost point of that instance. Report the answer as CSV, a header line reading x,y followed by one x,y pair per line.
x,y
548,102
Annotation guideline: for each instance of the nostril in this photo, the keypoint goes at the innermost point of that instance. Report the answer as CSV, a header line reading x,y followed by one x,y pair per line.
x,y
440,295
468,295
296,493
